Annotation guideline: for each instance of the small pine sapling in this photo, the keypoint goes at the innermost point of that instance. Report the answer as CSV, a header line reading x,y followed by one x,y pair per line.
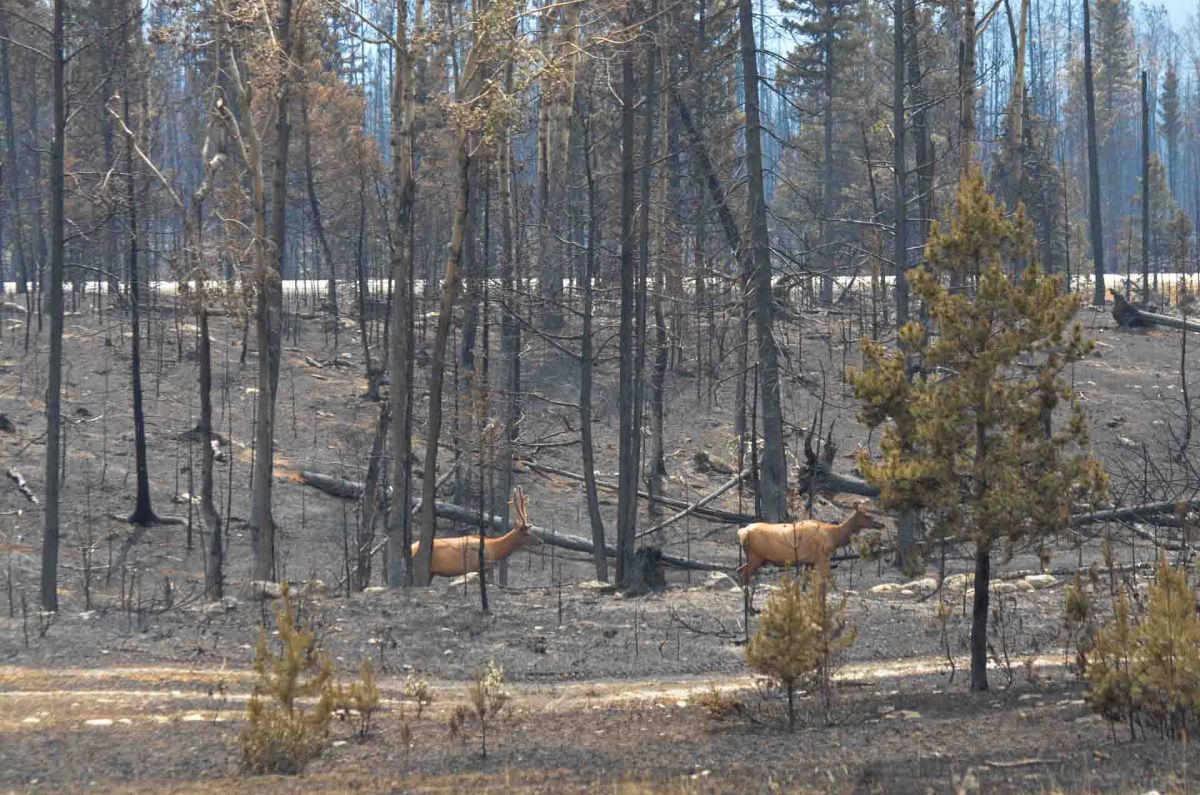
x,y
1168,661
1145,669
488,703
282,735
798,637
416,689
1079,621
360,700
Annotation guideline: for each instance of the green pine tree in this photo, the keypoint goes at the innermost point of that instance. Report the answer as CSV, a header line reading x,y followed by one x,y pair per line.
x,y
969,438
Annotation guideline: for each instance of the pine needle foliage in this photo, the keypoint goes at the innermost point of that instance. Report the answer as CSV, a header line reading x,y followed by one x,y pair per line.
x,y
488,703
966,401
283,733
798,637
360,699
1145,669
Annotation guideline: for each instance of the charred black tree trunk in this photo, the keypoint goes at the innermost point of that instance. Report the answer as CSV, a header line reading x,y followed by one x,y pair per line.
x,y
49,584
629,432
315,208
899,165
587,363
13,175
214,567
1095,226
979,617
143,512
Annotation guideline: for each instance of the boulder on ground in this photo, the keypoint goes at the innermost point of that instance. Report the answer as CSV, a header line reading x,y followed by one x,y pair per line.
x,y
264,589
596,586
923,586
958,582
1040,581
719,581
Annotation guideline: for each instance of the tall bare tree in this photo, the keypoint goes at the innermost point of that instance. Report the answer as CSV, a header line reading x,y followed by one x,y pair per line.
x,y
1095,223
50,528
773,472
403,102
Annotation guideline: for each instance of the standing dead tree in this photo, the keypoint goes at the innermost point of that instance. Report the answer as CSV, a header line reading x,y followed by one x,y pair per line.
x,y
276,62
192,270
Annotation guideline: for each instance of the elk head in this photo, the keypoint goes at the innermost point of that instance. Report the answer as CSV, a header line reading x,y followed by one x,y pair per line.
x,y
864,519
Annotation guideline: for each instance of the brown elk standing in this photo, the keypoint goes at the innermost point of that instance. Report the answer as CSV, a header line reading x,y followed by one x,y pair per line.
x,y
454,557
790,543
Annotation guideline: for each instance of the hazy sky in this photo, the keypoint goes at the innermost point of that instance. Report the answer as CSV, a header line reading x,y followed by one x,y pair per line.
x,y
1179,11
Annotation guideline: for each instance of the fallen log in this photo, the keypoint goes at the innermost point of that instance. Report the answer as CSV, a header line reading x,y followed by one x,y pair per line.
x,y
710,514
18,479
823,479
346,489
336,487
1132,512
700,503
1129,315
471,516
817,474
1143,533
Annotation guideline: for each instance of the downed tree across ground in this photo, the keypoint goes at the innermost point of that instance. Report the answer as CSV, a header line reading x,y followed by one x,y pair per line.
x,y
1129,315
352,489
829,482
1133,512
471,516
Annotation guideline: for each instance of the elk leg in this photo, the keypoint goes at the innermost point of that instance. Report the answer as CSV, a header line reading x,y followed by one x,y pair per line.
x,y
747,572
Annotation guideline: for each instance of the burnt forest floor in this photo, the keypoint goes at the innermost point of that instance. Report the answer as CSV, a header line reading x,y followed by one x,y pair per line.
x,y
138,685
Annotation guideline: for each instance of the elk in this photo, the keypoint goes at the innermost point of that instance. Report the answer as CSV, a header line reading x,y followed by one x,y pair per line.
x,y
453,557
791,543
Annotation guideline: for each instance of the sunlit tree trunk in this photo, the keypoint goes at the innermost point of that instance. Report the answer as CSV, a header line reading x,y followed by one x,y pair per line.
x,y
269,318
773,472
587,361
1145,193
437,361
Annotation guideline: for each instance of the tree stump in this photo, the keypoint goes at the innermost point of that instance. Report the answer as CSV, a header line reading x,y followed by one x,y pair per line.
x,y
647,575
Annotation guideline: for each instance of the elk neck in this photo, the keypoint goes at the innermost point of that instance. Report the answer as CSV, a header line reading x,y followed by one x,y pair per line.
x,y
506,544
842,533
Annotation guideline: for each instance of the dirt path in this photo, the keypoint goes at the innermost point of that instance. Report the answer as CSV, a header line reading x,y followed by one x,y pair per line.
x,y
172,728
217,693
